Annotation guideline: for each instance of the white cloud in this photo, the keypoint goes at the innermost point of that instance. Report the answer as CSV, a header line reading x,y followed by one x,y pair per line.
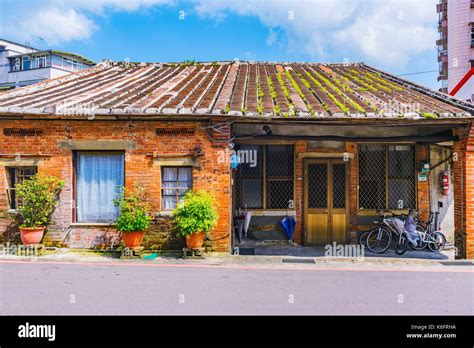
x,y
389,32
56,26
60,21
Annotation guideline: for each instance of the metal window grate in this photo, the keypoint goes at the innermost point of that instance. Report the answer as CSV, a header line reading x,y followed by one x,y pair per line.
x,y
279,176
401,177
387,177
249,179
175,131
22,132
339,186
268,182
317,186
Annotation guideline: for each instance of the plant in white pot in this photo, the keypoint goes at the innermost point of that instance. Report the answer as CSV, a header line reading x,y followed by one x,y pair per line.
x,y
37,198
195,217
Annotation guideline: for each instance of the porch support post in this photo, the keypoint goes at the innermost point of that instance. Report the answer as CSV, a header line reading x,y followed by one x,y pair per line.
x,y
464,194
300,147
351,148
423,196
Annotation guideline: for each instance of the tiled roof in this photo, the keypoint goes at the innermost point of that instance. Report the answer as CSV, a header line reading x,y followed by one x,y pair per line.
x,y
246,89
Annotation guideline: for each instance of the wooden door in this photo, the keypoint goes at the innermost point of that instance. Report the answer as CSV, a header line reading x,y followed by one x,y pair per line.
x,y
325,197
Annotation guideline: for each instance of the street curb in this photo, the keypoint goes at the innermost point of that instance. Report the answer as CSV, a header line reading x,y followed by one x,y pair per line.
x,y
220,259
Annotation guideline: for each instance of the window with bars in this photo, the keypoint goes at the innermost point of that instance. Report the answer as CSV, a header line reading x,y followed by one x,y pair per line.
x,y
17,175
387,177
175,182
268,182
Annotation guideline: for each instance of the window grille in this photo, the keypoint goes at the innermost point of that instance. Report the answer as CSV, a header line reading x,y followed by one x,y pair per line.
x,y
268,182
387,178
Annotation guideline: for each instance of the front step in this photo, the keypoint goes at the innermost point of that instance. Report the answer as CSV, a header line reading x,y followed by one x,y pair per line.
x,y
265,235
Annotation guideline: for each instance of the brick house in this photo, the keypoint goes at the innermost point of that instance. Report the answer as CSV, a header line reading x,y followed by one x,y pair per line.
x,y
327,143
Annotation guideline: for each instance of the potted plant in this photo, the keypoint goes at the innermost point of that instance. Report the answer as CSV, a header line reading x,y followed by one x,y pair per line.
x,y
134,216
195,217
37,198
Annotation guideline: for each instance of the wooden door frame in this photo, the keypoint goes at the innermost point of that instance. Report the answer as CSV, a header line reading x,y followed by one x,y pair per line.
x,y
329,162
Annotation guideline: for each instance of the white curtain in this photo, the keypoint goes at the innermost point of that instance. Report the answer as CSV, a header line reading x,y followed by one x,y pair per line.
x,y
99,176
170,176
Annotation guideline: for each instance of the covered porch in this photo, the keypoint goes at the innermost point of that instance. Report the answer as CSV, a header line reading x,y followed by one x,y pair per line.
x,y
333,177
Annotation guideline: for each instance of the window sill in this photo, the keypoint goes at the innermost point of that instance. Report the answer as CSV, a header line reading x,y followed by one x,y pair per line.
x,y
163,213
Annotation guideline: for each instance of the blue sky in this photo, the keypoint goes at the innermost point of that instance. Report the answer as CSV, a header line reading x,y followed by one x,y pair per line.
x,y
397,36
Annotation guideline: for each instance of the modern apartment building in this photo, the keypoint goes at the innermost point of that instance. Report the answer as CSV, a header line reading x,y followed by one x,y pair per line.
x,y
22,65
456,47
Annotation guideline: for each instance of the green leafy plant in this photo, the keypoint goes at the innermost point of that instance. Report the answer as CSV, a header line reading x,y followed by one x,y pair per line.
x,y
429,115
260,96
340,93
324,89
197,213
290,104
299,91
134,210
37,197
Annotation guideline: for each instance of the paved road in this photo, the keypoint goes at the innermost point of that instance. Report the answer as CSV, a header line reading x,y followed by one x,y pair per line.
x,y
31,288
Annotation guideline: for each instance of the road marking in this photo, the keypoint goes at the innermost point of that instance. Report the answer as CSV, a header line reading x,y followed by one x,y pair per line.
x,y
256,267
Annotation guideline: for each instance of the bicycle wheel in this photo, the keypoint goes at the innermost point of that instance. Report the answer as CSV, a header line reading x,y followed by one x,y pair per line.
x,y
437,241
379,240
421,244
363,238
401,244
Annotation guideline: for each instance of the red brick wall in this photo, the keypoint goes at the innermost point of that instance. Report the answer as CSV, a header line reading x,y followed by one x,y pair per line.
x,y
300,146
353,184
422,154
464,194
139,168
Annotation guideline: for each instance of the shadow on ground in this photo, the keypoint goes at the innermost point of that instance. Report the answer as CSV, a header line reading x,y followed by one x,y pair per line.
x,y
255,248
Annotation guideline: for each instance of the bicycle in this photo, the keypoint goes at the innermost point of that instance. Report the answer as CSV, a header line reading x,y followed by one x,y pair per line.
x,y
401,243
430,234
380,237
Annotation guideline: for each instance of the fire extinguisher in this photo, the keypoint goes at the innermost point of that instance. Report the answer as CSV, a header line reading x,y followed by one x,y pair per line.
x,y
445,182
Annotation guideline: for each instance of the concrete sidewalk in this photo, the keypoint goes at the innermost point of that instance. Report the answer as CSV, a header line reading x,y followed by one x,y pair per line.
x,y
410,261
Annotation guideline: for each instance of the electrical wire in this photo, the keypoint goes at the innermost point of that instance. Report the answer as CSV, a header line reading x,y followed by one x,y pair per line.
x,y
419,73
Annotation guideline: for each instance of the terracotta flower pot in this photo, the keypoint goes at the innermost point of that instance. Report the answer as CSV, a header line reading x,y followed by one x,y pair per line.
x,y
133,239
31,235
195,240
